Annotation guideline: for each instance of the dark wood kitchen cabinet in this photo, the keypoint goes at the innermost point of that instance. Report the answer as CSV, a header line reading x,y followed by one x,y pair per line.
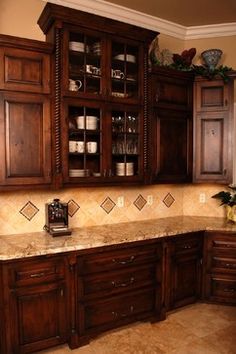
x,y
117,287
220,267
25,126
213,130
100,97
34,297
183,270
170,148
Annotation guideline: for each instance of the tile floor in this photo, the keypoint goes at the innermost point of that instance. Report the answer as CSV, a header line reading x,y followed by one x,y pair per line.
x,y
194,329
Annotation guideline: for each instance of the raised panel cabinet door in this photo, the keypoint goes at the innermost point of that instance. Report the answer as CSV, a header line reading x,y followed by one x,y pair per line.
x,y
24,70
212,95
185,280
212,147
25,152
172,150
40,318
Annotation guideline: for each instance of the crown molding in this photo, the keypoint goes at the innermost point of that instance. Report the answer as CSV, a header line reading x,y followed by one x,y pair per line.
x,y
124,14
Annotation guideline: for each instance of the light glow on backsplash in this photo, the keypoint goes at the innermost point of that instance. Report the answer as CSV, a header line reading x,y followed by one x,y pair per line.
x,y
86,209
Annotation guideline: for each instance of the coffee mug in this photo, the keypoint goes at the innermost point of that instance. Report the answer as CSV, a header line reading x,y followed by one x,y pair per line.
x,y
80,146
118,74
74,85
72,146
91,147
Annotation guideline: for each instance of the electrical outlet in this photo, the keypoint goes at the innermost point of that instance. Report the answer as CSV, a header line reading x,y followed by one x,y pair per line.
x,y
202,198
149,200
120,201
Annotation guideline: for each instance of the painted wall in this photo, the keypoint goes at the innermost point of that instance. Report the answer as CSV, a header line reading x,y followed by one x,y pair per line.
x,y
23,211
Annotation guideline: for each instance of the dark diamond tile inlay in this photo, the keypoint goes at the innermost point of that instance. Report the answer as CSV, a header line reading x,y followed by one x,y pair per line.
x,y
140,202
73,207
107,205
29,210
168,200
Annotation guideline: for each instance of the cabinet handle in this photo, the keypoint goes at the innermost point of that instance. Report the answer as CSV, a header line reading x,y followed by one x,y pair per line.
x,y
104,173
224,172
231,290
229,265
116,314
157,97
226,102
187,247
120,285
37,275
62,292
130,260
109,173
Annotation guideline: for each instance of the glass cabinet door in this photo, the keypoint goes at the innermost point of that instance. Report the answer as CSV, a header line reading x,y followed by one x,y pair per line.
x,y
124,70
85,66
84,142
126,144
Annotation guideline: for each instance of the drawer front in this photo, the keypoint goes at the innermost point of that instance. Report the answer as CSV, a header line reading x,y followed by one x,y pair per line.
x,y
220,263
119,309
118,259
36,272
221,288
188,244
117,282
224,242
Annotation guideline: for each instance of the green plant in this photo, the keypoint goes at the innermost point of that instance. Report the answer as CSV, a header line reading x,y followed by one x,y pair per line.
x,y
221,71
227,197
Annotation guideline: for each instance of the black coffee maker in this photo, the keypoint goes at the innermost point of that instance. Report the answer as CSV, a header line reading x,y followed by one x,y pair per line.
x,y
56,214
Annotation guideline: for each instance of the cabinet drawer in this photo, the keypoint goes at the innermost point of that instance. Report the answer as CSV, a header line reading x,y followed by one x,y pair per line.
x,y
118,259
117,282
222,288
221,241
36,272
221,263
188,244
119,309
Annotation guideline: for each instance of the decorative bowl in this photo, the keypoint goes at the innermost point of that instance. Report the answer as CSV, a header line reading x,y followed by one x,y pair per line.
x,y
211,57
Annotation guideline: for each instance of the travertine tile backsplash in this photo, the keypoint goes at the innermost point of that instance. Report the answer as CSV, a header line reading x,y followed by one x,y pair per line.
x,y
24,211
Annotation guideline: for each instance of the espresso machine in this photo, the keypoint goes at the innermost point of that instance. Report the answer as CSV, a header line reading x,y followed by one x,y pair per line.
x,y
56,214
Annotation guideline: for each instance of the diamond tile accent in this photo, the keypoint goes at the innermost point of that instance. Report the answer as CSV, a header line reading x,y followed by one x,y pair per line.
x,y
73,207
29,210
108,205
168,200
140,202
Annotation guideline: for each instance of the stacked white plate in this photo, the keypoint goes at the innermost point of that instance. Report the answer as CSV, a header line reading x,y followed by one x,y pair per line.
x,y
91,122
124,169
77,46
129,57
78,173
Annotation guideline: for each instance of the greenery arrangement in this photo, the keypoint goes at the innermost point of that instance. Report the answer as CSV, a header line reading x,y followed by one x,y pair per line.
x,y
228,197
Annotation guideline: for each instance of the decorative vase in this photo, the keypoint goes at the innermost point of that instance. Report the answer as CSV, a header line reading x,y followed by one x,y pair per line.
x,y
231,213
211,57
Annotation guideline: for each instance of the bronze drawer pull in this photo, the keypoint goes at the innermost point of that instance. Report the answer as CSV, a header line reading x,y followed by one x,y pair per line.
x,y
187,247
116,314
230,265
130,260
231,290
120,285
37,275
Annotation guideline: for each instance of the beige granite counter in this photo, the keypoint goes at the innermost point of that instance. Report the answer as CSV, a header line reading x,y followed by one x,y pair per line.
x,y
41,243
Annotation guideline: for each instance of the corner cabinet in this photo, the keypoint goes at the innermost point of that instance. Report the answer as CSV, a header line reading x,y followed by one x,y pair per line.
x,y
100,102
25,126
213,129
171,99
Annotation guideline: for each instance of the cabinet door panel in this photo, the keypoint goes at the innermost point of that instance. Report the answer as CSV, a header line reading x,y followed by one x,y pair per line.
x,y
212,147
212,96
24,70
173,149
25,132
40,317
221,288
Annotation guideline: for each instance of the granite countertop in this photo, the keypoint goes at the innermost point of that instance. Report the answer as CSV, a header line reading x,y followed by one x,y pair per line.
x,y
41,243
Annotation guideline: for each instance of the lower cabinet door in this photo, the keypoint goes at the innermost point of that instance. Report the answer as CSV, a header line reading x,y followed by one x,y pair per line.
x,y
185,280
40,320
221,288
114,311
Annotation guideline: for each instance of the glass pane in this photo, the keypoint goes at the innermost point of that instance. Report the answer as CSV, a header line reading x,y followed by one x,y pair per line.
x,y
125,143
84,63
84,141
124,70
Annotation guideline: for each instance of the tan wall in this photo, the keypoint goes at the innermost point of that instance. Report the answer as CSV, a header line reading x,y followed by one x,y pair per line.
x,y
19,18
